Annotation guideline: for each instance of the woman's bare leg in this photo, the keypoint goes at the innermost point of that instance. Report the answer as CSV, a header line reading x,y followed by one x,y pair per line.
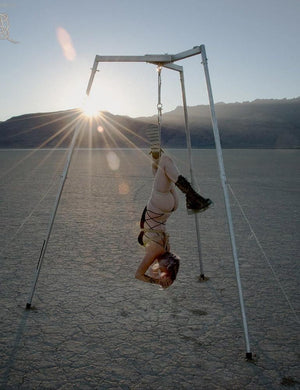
x,y
194,201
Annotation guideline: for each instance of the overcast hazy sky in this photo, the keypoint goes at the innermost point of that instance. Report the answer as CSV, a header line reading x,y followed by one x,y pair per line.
x,y
252,48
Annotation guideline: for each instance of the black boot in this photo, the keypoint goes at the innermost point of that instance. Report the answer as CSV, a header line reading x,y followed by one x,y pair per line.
x,y
194,201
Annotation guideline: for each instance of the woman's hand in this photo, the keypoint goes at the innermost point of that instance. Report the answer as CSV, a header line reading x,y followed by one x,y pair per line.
x,y
165,281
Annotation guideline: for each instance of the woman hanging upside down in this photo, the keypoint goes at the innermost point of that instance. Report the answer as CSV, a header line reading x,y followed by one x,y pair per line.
x,y
161,264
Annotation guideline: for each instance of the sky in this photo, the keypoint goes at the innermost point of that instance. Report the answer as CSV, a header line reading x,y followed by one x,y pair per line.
x,y
252,49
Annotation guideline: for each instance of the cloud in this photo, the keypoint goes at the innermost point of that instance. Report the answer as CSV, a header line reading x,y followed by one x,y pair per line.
x,y
66,44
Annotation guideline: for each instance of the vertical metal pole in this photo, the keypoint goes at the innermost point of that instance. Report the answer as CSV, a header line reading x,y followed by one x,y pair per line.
x,y
226,197
189,148
52,217
91,79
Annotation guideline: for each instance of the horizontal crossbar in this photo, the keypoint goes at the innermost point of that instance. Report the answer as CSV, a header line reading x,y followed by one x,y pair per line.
x,y
160,58
152,58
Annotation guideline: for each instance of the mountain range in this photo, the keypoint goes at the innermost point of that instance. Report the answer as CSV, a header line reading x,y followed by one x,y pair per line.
x,y
262,123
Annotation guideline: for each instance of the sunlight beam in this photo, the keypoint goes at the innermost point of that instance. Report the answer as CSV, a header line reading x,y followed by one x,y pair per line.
x,y
90,107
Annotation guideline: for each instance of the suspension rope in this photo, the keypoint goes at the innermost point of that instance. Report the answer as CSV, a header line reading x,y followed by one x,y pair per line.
x,y
154,132
265,256
157,222
159,106
155,233
160,235
159,103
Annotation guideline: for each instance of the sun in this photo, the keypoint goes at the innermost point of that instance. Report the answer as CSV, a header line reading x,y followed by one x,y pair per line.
x,y
90,108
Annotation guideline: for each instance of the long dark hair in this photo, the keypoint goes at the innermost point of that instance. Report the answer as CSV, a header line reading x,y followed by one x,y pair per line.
x,y
171,262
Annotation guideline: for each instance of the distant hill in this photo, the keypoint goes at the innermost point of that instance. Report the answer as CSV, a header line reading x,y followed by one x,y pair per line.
x,y
256,124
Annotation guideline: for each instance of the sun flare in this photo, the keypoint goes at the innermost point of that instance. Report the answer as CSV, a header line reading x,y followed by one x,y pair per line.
x,y
90,108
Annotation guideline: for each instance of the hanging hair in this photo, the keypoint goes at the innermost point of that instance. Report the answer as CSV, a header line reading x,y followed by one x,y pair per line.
x,y
171,262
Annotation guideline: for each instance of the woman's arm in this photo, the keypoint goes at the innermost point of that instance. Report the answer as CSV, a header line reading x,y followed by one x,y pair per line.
x,y
152,251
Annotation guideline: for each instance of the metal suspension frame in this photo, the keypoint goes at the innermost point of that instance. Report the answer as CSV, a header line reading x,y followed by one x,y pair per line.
x,y
167,61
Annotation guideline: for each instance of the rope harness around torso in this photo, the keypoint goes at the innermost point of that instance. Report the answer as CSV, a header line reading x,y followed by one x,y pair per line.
x,y
152,229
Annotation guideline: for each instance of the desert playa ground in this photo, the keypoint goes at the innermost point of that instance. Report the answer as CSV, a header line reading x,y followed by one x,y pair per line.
x,y
93,326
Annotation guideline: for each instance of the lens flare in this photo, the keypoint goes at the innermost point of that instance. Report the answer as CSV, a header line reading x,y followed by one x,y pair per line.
x,y
66,44
113,161
123,188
